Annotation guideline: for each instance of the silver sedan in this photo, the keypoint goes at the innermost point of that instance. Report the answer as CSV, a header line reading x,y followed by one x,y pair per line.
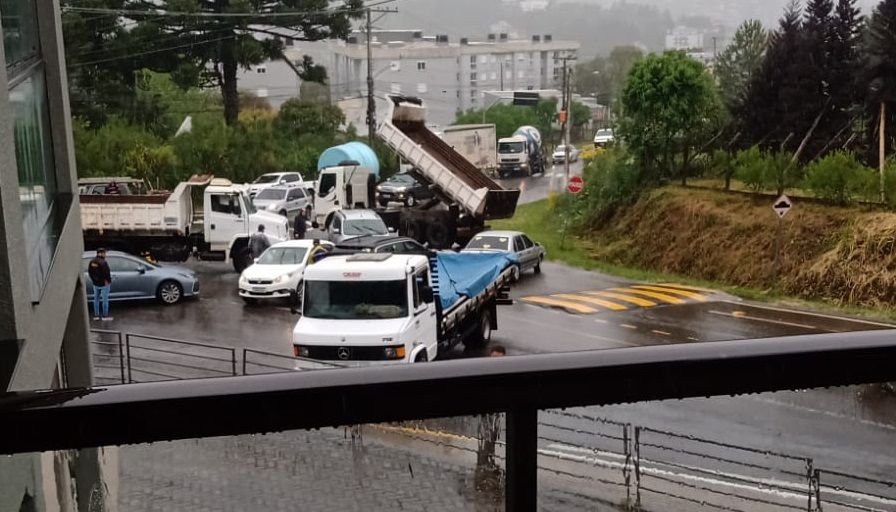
x,y
134,278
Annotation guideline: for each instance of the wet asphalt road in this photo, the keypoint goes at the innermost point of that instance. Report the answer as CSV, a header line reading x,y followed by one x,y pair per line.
x,y
837,428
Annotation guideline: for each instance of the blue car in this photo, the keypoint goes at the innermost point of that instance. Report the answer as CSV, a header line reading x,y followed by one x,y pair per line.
x,y
134,278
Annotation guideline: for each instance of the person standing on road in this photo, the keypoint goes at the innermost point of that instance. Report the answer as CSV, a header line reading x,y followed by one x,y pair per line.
x,y
101,277
301,226
258,242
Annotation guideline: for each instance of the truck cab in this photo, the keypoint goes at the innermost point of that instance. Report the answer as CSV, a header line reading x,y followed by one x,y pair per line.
x,y
513,157
344,187
368,308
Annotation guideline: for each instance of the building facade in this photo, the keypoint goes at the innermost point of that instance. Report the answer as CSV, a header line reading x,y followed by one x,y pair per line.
x,y
448,76
43,315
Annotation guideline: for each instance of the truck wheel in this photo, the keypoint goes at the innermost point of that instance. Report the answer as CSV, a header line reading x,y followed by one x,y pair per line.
x,y
438,236
422,357
409,229
410,201
483,333
169,292
240,258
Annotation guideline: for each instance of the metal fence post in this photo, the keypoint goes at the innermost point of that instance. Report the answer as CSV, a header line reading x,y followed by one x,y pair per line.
x,y
244,361
637,468
810,474
121,356
127,344
521,487
626,470
233,362
817,481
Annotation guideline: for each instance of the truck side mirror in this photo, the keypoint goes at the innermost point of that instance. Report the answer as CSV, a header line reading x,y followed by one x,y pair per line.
x,y
335,231
426,294
391,230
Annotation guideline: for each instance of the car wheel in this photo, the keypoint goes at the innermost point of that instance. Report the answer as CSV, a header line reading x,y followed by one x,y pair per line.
x,y
515,276
283,213
169,292
538,266
422,357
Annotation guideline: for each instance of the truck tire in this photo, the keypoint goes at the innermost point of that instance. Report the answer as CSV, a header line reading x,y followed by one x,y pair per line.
x,y
410,229
439,236
240,257
483,333
422,357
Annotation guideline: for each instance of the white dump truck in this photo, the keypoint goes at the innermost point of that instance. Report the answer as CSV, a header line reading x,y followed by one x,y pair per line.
x,y
209,217
398,308
475,142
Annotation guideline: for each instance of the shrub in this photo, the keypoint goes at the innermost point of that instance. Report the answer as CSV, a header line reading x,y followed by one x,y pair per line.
x,y
840,178
612,180
765,170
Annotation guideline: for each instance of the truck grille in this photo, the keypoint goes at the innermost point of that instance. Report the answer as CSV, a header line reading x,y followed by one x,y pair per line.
x,y
331,353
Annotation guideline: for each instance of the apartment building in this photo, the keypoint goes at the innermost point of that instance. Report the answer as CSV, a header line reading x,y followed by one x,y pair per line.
x,y
43,315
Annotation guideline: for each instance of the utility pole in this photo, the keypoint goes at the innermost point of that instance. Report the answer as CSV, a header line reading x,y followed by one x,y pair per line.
x,y
371,103
883,150
565,118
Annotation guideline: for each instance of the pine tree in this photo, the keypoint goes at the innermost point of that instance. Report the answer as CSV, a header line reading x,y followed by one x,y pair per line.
x,y
739,61
879,77
843,70
762,113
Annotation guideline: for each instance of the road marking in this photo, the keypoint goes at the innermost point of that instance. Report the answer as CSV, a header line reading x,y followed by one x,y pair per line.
x,y
662,333
565,304
638,301
809,313
600,320
687,287
591,300
523,319
628,326
745,316
661,296
683,293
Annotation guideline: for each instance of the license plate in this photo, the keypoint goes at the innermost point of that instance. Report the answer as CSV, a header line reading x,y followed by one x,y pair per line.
x,y
258,289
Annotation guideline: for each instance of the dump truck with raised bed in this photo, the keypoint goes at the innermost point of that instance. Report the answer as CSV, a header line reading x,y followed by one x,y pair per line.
x,y
208,217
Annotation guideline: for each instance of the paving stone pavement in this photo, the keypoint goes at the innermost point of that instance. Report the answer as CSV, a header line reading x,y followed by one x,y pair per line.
x,y
321,470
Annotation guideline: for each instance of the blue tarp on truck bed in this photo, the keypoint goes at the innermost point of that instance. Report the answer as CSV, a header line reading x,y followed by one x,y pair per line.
x,y
467,274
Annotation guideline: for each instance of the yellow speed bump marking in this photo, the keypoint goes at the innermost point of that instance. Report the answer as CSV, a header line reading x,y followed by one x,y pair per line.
x,y
638,301
654,295
565,304
683,293
686,287
591,300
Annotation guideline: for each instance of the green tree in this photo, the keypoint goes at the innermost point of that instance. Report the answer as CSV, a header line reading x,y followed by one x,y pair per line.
x,y
739,60
157,165
880,69
298,117
670,106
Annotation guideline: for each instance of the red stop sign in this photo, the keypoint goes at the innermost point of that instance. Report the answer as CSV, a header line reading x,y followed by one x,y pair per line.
x,y
576,184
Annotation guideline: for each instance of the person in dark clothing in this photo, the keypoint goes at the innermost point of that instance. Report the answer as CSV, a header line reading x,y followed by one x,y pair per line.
x,y
258,242
101,278
301,226
112,189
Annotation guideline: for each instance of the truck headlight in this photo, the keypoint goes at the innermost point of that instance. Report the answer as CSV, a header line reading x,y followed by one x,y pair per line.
x,y
301,351
394,352
524,165
243,280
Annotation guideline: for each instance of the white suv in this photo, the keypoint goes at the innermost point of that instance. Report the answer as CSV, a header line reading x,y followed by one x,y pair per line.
x,y
278,271
273,178
282,199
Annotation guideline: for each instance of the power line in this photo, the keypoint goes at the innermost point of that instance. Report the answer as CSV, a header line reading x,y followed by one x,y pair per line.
x,y
158,50
204,14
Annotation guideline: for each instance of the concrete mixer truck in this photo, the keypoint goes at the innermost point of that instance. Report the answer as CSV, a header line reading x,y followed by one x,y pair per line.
x,y
521,154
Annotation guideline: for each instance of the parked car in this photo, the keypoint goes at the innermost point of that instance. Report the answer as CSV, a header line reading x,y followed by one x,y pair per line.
x,y
134,278
402,188
342,225
273,178
278,271
283,199
529,254
559,155
377,244
603,138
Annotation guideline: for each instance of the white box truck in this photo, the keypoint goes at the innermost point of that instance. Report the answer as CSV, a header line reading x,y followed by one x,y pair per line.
x,y
477,143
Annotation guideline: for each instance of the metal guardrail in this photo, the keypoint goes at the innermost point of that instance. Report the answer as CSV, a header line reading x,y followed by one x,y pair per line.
x,y
258,362
519,386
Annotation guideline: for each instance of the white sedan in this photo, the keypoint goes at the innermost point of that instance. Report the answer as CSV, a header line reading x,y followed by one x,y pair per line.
x,y
559,155
278,271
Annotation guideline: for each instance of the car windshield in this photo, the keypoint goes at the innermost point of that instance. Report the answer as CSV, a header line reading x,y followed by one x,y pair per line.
x,y
560,149
486,242
273,194
604,133
355,300
403,179
364,227
283,256
267,178
511,147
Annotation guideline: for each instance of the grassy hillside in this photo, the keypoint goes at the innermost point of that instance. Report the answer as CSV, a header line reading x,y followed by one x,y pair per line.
x,y
839,255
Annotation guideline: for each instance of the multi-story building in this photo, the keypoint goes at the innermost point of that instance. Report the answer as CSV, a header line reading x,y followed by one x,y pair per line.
x,y
448,76
43,315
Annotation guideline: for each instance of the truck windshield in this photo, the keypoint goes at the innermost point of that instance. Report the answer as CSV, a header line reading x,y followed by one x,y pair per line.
x,y
275,194
510,147
283,256
356,300
364,227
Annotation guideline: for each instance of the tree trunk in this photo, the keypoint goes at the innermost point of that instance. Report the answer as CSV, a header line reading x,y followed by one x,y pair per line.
x,y
684,167
229,90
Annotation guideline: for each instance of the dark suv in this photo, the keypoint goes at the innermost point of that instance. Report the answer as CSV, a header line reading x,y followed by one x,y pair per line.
x,y
398,245
402,188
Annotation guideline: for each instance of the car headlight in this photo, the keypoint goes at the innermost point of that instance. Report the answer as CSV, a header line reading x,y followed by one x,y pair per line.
x,y
394,352
282,279
271,207
243,280
301,351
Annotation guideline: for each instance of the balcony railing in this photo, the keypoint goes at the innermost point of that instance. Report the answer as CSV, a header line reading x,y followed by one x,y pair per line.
x,y
518,386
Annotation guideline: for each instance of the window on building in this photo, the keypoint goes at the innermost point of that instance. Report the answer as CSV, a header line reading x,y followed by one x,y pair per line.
x,y
395,88
494,75
483,59
395,65
458,77
261,69
421,88
472,59
458,94
521,74
508,75
421,65
521,57
494,59
473,77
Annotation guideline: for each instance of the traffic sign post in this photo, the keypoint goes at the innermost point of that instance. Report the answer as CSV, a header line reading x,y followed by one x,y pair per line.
x,y
782,207
576,184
